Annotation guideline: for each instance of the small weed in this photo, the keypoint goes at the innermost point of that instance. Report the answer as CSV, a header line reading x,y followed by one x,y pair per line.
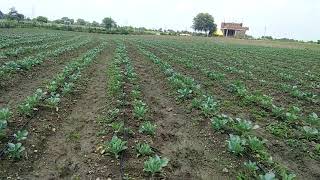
x,y
74,136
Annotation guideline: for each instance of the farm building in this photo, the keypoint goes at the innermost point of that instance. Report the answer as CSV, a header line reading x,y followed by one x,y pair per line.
x,y
233,29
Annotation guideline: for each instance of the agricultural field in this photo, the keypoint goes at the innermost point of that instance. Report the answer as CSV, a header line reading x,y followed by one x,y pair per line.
x,y
92,106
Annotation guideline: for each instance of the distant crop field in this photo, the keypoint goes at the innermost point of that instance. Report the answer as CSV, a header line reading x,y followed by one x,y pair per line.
x,y
93,106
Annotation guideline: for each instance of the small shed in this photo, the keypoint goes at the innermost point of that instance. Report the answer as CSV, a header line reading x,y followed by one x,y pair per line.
x,y
233,30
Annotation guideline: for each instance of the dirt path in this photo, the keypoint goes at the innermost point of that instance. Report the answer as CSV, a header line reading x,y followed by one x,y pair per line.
x,y
25,83
192,152
70,152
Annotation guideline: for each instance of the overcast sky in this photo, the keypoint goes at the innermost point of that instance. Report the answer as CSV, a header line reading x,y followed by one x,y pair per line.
x,y
298,19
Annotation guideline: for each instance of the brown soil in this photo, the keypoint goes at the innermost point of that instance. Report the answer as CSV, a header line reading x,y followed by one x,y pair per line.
x,y
24,83
287,156
280,98
62,145
193,151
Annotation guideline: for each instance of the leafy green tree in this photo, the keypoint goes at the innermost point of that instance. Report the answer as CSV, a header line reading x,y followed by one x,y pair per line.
x,y
81,22
14,15
1,15
318,42
267,37
109,23
204,22
58,21
42,19
66,20
95,24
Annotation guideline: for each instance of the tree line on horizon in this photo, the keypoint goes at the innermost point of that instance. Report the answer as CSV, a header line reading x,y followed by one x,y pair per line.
x,y
13,14
202,23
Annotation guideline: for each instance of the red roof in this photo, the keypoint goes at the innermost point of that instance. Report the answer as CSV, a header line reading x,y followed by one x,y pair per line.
x,y
236,26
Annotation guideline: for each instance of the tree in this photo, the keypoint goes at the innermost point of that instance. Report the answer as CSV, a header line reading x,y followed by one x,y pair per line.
x,y
20,17
95,24
66,20
1,15
267,37
109,23
204,22
81,22
58,21
14,15
42,19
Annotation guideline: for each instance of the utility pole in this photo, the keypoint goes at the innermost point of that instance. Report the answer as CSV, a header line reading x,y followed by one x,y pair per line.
x,y
33,11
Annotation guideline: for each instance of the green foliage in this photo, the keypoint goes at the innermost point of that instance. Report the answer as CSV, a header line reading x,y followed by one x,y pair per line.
x,y
243,126
14,15
81,22
136,94
42,19
196,103
311,132
208,106
109,23
15,150
255,144
3,126
118,127
139,109
268,176
148,128
21,135
113,113
238,88
220,122
66,21
313,119
95,24
277,111
293,114
215,75
317,149
236,145
286,176
52,86
75,76
143,149
31,102
204,22
251,166
54,100
155,164
261,99
67,88
279,129
115,146
5,114
184,93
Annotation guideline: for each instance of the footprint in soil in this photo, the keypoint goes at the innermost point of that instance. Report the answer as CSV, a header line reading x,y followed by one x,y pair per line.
x,y
168,137
67,168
